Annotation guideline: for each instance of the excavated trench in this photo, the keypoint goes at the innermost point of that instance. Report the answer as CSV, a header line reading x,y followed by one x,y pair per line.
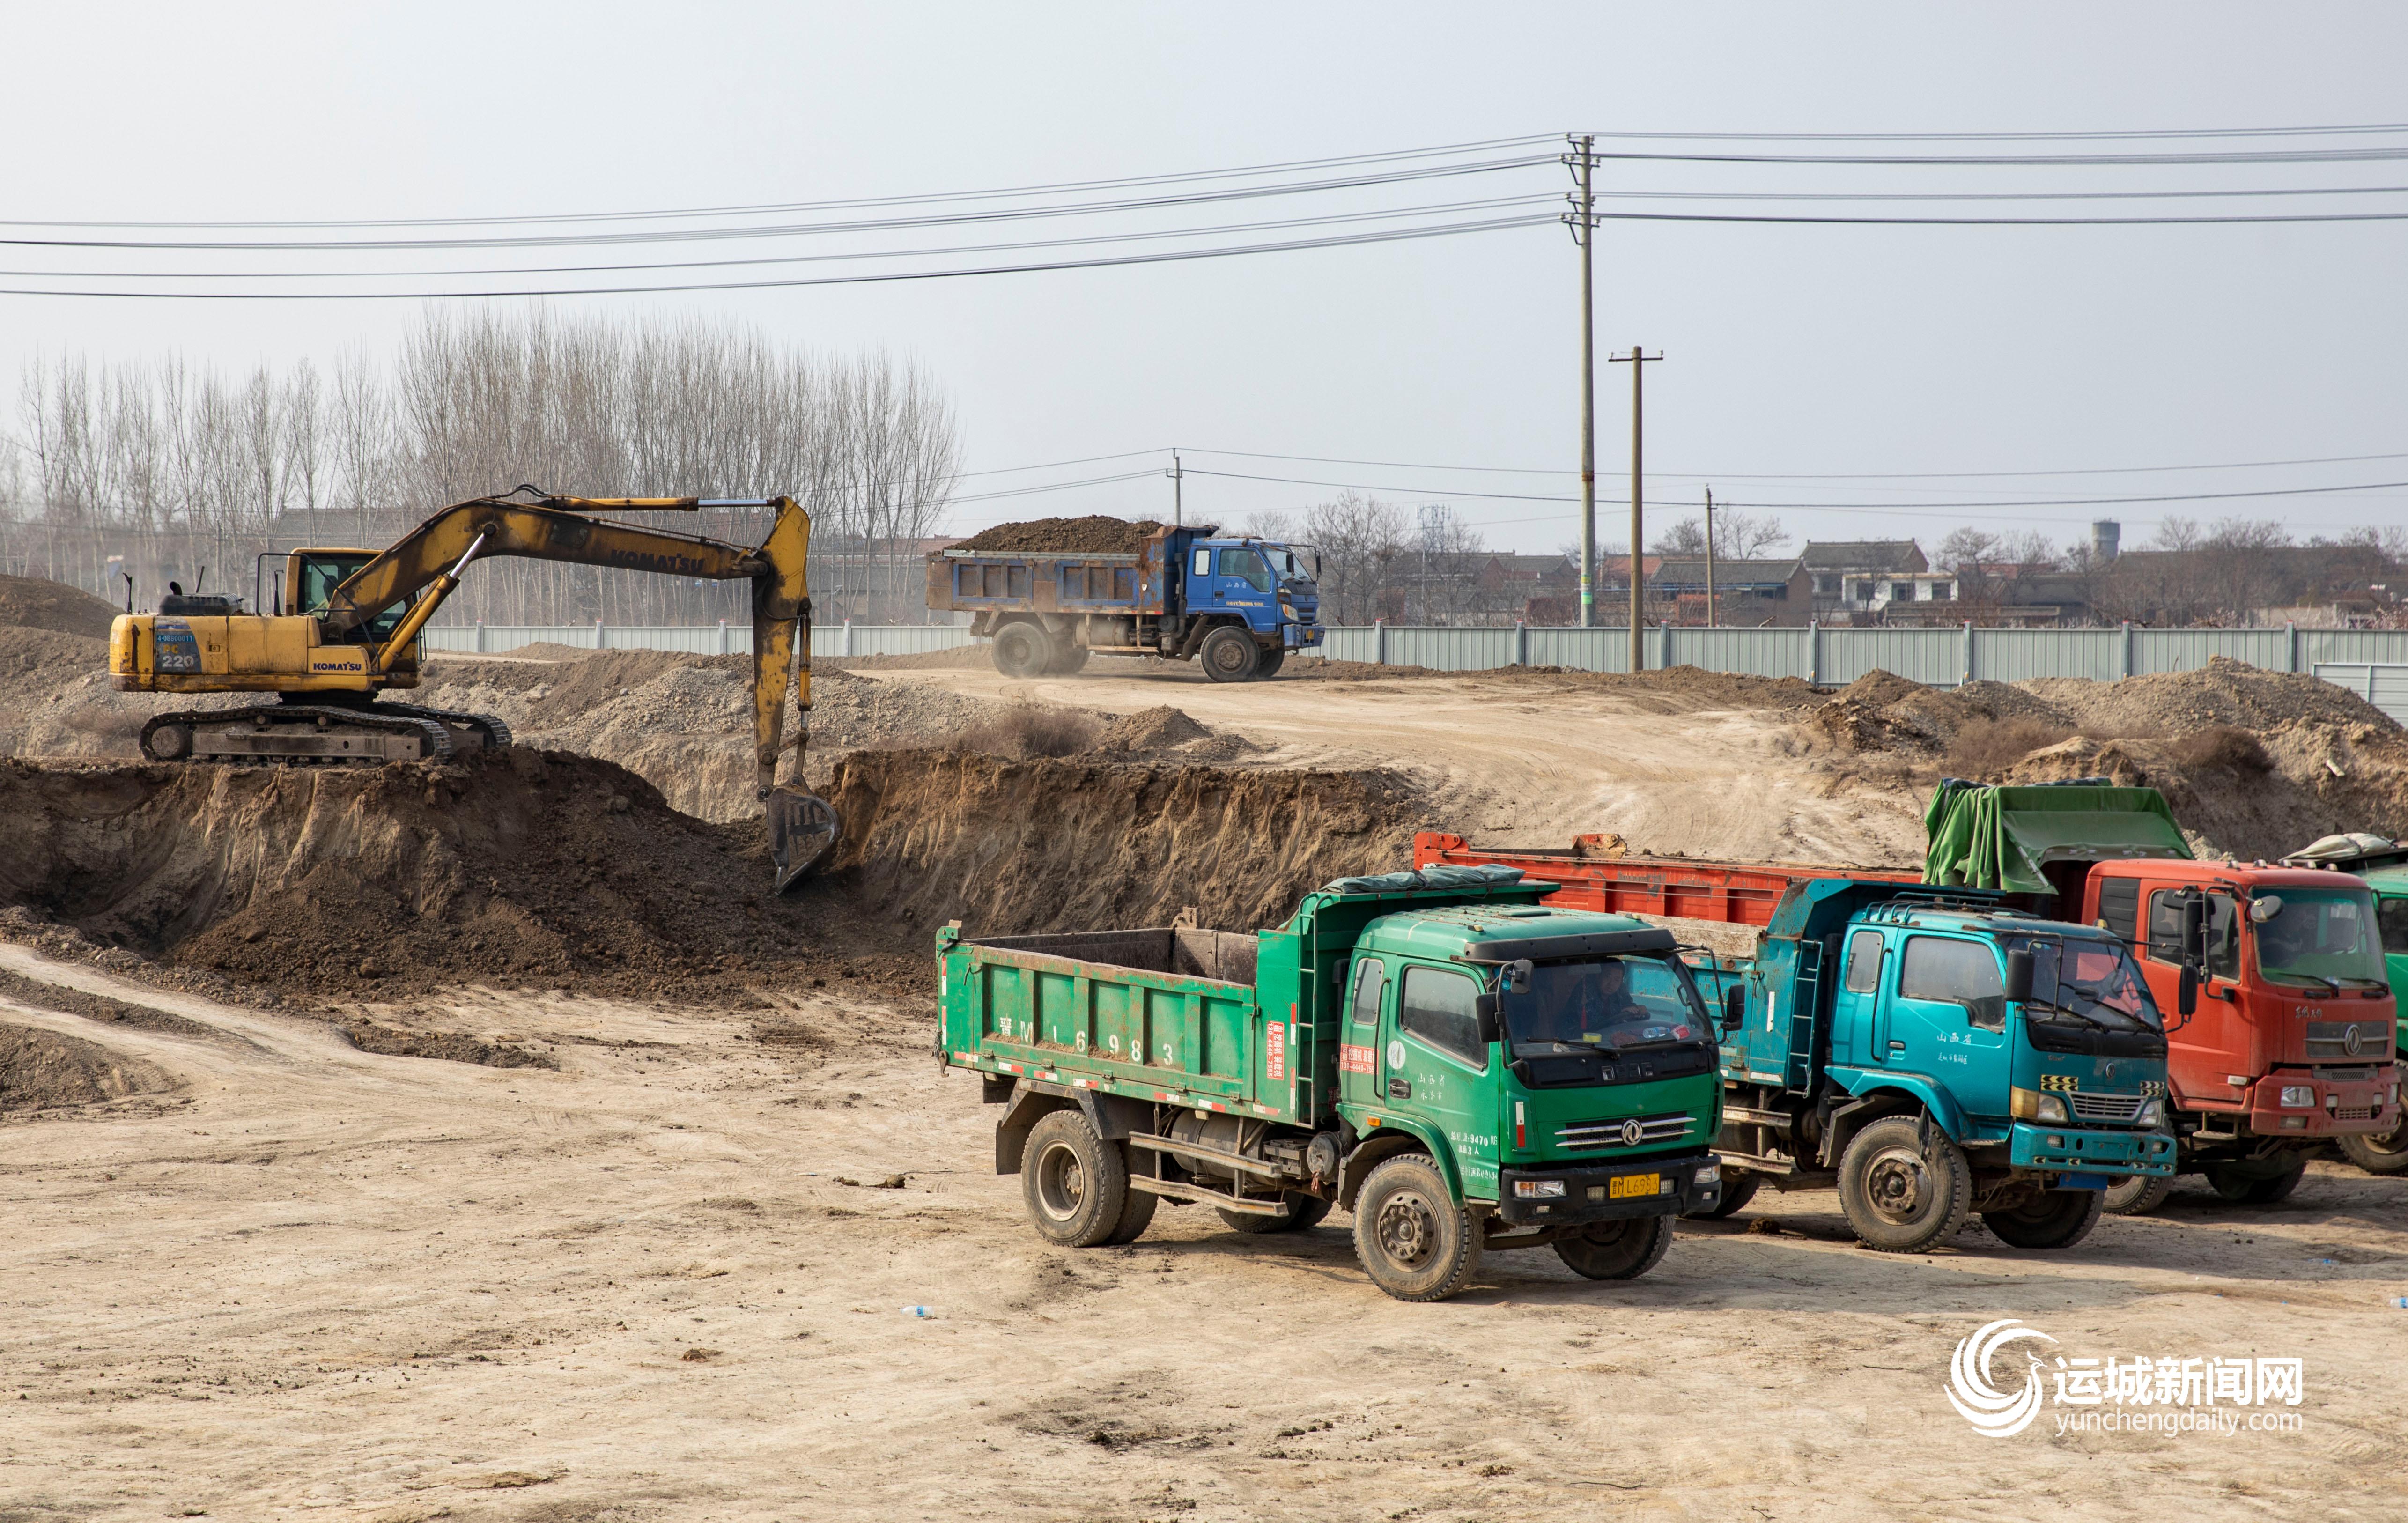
x,y
548,868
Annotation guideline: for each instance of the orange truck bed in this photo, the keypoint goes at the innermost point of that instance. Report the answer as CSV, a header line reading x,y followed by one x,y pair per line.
x,y
1734,893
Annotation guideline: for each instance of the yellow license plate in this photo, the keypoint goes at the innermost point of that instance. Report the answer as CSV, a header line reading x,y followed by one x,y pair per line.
x,y
1630,1186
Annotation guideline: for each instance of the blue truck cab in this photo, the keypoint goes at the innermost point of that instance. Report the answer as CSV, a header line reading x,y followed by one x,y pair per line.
x,y
1238,605
1935,1053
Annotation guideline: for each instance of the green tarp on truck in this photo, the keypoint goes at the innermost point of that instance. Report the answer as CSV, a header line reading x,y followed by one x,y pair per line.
x,y
1984,837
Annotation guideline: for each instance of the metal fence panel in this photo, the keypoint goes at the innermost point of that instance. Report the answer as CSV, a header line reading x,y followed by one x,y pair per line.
x,y
1763,652
2013,655
1935,656
1580,649
2382,684
2356,647
2185,649
896,639
1450,650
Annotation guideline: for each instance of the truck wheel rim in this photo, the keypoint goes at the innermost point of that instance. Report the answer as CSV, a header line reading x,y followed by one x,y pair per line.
x,y
1228,656
1061,1184
1407,1228
1898,1183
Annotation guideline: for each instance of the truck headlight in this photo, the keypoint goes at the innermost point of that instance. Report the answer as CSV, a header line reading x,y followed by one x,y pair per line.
x,y
1534,1189
2152,1113
1711,1174
2297,1096
2032,1105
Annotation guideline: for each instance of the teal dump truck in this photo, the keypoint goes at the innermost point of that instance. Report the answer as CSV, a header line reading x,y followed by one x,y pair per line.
x,y
1934,1054
1463,1067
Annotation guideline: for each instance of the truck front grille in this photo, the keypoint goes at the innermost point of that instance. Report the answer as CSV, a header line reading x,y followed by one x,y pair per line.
x,y
1637,1132
2348,1039
2353,1113
2121,1109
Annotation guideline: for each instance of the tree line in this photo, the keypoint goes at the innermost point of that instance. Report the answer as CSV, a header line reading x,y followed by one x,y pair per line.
x,y
164,467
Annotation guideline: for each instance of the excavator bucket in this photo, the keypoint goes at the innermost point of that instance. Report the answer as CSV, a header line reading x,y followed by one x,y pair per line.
x,y
803,832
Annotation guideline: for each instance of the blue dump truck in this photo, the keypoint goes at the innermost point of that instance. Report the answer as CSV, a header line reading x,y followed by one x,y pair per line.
x,y
1933,1053
1237,606
1464,1069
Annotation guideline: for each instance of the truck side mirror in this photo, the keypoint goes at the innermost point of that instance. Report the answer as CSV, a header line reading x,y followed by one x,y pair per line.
x,y
2194,930
1483,1009
1516,977
1734,1007
2187,991
2019,975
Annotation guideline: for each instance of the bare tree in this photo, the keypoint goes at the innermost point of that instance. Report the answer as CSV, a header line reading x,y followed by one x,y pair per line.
x,y
1738,536
1360,539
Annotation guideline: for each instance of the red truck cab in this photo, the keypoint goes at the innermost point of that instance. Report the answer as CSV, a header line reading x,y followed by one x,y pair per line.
x,y
2291,1039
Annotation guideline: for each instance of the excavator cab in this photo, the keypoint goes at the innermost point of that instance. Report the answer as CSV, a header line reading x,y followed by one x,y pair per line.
x,y
310,578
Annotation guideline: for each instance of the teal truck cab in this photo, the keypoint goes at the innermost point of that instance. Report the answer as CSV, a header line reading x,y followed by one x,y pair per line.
x,y
1933,1053
1466,1070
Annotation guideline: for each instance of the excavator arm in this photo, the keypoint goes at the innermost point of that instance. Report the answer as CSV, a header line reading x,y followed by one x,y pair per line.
x,y
802,828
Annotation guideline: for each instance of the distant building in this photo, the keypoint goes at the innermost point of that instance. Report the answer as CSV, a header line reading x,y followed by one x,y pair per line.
x,y
1857,581
1528,582
1744,591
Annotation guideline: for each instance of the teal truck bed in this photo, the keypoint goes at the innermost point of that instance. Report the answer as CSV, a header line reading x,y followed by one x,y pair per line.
x,y
1462,1067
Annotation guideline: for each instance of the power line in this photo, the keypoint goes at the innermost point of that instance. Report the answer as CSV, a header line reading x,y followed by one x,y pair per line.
x,y
785,208
2046,161
1814,476
1334,219
2342,130
1389,236
1850,506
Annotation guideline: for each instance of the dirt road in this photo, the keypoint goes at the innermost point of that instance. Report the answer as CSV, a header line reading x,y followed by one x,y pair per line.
x,y
1524,760
315,1281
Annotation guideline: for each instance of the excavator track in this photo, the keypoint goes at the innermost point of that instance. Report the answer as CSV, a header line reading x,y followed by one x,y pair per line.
x,y
488,727
298,734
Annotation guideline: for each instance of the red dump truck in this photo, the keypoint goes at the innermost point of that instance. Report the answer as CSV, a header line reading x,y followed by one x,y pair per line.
x,y
2290,1042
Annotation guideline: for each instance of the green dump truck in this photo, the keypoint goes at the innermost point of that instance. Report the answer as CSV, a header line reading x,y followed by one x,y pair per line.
x,y
1462,1068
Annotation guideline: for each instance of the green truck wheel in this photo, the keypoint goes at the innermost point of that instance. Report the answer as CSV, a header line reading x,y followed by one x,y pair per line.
x,y
1416,1238
1075,1182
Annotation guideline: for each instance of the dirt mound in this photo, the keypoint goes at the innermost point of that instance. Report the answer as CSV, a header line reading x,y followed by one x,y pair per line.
x,y
41,1069
1094,535
1150,729
1009,847
1884,712
32,603
2253,762
516,869
2223,692
684,723
960,658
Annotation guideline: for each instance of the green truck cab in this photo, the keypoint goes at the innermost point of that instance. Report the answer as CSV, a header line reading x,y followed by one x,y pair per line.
x,y
1464,1069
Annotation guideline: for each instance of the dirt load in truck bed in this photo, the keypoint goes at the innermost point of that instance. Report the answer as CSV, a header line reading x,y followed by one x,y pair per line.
x,y
1094,535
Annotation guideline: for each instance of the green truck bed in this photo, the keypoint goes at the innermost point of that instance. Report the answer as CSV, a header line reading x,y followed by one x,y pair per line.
x,y
1217,1020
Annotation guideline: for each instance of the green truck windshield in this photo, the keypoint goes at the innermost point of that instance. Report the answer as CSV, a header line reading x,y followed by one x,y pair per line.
x,y
2318,936
1607,1002
2093,981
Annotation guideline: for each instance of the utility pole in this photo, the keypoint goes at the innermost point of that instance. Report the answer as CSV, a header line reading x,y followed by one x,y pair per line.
x,y
1637,363
1710,557
1583,166
1178,482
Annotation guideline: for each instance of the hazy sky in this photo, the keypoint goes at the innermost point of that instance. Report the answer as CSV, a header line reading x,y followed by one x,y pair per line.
x,y
1795,351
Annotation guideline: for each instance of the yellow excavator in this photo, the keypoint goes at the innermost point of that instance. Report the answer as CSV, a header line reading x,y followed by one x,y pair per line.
x,y
342,627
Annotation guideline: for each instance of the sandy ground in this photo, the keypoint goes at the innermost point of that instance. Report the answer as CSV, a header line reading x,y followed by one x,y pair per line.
x,y
316,1281
1523,764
